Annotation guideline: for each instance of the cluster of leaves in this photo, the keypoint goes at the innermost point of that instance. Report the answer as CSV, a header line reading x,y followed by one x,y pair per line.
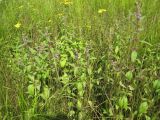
x,y
98,64
65,61
33,63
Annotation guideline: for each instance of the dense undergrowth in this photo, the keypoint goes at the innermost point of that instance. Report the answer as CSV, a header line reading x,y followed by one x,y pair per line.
x,y
79,59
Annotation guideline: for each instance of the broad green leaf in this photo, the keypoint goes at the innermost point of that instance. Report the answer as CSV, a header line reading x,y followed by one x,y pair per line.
x,y
63,62
79,104
83,77
134,56
143,108
70,104
129,75
156,84
110,112
31,89
116,49
30,112
76,71
68,90
71,113
104,111
46,92
79,86
72,54
65,78
52,50
31,77
81,93
99,70
123,102
80,116
147,117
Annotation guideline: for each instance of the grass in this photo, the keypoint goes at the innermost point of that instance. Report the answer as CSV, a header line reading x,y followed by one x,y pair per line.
x,y
79,59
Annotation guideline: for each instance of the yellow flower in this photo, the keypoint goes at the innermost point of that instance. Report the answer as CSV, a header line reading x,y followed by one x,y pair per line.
x,y
100,11
18,25
67,2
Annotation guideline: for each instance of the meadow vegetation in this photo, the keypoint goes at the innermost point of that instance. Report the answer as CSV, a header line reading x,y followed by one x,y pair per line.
x,y
79,59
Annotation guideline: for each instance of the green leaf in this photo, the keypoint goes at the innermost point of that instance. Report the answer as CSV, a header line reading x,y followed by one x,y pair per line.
x,y
81,93
30,113
46,92
143,108
65,79
156,84
71,113
79,86
31,89
76,71
129,75
134,56
52,50
99,70
31,77
104,111
116,49
110,112
123,102
72,54
147,117
63,62
80,89
79,105
32,50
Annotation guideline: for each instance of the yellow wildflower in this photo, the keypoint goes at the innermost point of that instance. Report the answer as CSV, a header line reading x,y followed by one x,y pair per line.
x,y
100,11
18,25
67,2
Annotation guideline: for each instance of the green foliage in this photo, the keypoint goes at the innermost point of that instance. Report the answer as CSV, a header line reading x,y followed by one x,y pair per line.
x,y
129,75
133,56
143,108
123,102
82,59
31,89
156,84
